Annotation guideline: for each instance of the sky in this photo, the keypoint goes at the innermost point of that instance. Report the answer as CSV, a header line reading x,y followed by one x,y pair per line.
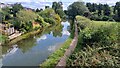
x,y
41,3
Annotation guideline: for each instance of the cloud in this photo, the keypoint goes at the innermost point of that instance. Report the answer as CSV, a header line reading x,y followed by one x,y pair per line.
x,y
102,1
41,3
42,38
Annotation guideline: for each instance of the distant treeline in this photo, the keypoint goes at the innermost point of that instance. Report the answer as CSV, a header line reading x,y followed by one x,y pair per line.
x,y
104,12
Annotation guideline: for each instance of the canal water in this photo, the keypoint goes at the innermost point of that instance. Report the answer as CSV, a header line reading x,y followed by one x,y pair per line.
x,y
35,50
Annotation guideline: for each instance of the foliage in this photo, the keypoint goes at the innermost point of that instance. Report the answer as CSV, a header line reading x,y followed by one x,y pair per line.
x,y
24,19
16,8
6,13
61,13
98,45
96,56
57,18
104,12
76,8
41,21
47,13
3,39
82,22
57,5
50,20
26,16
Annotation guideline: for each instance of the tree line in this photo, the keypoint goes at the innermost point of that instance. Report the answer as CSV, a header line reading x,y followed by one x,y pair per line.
x,y
94,11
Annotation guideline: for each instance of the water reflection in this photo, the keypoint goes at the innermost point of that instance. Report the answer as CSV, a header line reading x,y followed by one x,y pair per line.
x,y
42,38
36,48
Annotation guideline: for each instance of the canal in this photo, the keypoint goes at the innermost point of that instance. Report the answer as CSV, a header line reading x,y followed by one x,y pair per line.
x,y
35,50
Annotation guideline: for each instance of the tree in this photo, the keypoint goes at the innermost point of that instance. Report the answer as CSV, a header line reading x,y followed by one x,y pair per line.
x,y
89,5
94,7
6,13
57,5
24,18
100,9
46,7
61,13
106,10
37,10
76,8
16,7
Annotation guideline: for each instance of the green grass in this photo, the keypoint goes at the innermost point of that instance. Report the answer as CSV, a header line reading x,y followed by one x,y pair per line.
x,y
55,57
98,45
97,24
24,36
2,39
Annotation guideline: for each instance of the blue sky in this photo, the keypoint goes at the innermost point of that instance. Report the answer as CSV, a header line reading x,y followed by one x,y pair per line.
x,y
42,3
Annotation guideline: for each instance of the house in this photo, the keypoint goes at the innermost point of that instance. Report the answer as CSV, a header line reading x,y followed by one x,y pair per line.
x,y
6,28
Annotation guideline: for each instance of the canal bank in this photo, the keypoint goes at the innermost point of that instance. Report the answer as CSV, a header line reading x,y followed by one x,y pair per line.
x,y
34,50
59,57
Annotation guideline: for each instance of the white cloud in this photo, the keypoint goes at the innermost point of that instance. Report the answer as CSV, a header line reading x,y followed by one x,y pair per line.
x,y
42,38
41,3
102,1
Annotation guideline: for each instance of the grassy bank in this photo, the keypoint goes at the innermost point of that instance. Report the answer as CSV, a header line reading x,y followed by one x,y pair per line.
x,y
98,45
55,57
24,36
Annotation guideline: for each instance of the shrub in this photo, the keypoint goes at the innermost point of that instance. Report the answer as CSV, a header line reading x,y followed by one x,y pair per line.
x,y
82,22
104,35
50,20
105,18
95,56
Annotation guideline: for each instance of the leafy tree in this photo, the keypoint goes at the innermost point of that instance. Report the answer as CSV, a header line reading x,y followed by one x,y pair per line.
x,y
50,20
106,10
6,13
57,5
89,5
46,7
100,9
24,18
37,10
94,7
47,13
61,13
16,8
76,8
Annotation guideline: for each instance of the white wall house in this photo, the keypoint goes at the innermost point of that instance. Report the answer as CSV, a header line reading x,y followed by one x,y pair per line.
x,y
7,29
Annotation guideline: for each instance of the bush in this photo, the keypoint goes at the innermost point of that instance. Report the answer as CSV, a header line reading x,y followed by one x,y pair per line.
x,y
82,22
50,20
95,56
105,18
41,21
104,35
98,45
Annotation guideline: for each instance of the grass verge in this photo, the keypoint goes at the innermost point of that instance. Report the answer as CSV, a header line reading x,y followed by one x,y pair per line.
x,y
24,36
55,57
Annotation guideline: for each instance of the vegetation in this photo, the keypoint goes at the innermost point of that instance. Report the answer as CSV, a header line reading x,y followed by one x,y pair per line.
x,y
104,12
77,8
55,57
57,6
97,45
26,21
3,39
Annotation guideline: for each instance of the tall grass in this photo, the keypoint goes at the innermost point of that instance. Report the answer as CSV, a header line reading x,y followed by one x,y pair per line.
x,y
98,45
